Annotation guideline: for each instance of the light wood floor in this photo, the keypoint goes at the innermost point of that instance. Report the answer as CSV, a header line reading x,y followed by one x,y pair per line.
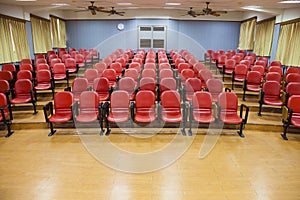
x,y
260,166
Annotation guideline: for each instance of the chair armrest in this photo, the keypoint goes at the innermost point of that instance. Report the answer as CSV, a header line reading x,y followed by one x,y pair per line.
x,y
48,108
245,84
243,106
132,113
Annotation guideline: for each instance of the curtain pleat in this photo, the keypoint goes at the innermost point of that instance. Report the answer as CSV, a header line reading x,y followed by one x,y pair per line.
x,y
40,35
58,27
264,38
247,30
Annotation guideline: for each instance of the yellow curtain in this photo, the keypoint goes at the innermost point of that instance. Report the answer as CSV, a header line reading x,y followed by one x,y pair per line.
x,y
247,29
21,50
264,38
58,27
288,52
14,43
40,35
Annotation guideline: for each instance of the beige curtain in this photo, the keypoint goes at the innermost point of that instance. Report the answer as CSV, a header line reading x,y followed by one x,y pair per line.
x,y
288,51
247,29
58,27
264,38
14,43
41,35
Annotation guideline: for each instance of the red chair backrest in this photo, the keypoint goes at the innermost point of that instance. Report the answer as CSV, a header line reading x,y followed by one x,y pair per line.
x,y
254,77
24,74
164,66
150,66
63,102
101,85
88,102
202,99
197,67
182,66
293,77
149,73
4,86
187,73
147,83
110,74
133,73
293,88
230,63
117,66
6,75
9,67
144,99
100,66
215,87
42,66
119,99
59,68
65,56
294,104
91,75
228,101
70,63
273,76
26,66
170,100
193,85
275,69
23,88
167,84
293,70
43,76
3,102
127,84
275,63
241,69
271,88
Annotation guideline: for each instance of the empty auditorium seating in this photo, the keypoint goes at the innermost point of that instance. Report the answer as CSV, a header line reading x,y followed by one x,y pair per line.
x,y
78,86
191,86
5,114
214,87
252,82
62,111
59,72
239,74
129,85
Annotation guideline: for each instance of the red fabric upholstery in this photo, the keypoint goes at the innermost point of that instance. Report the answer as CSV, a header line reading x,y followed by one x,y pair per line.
x,y
273,76
9,67
6,75
145,106
4,86
42,66
202,107
26,66
275,63
54,61
148,65
171,108
275,69
88,107
119,107
228,103
260,69
65,56
293,77
62,105
293,88
101,86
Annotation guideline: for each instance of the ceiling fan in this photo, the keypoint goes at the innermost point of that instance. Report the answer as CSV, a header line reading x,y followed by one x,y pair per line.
x,y
192,13
209,11
113,12
91,8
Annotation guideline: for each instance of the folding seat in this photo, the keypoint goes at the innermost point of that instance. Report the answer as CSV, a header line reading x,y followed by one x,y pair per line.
x,y
186,74
54,61
291,89
247,63
221,61
201,109
59,72
292,77
251,59
129,85
91,75
65,56
23,93
150,60
237,59
178,61
102,88
260,69
252,82
227,111
63,106
110,74
150,66
192,85
117,110
262,63
169,109
291,114
164,66
166,84
100,67
9,67
214,87
273,76
43,81
239,74
78,86
197,67
24,74
51,57
229,67
270,94
89,110
71,65
204,75
40,61
275,69
147,83
149,73
8,76
275,63
135,65
81,60
4,87
42,66
143,109
26,66
118,68
5,115
133,73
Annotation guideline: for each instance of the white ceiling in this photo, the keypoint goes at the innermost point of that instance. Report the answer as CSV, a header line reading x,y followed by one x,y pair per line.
x,y
266,6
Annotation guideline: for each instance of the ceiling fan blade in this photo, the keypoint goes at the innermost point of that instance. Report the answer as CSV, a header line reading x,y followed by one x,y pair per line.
x,y
104,11
121,14
215,14
81,10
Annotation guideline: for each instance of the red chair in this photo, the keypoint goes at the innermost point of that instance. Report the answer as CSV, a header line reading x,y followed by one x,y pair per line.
x,y
43,81
40,61
8,76
42,66
201,109
149,73
227,111
101,86
252,82
247,63
10,67
164,66
208,55
110,74
270,95
133,73
65,57
147,83
135,65
292,77
54,61
165,85
275,69
100,67
22,94
71,65
204,75
4,87
260,69
150,66
80,60
182,66
237,59
229,67
214,87
24,74
186,74
221,61
59,72
129,85
262,63
164,73
26,61
275,63
169,109
5,116
117,110
192,85
118,68
26,66
273,76
78,86
291,114
63,106
91,75
239,74
89,110
197,67
144,107
290,90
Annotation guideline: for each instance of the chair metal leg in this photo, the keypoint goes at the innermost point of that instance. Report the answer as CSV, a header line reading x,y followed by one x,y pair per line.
x,y
52,131
34,108
283,135
9,131
240,132
260,108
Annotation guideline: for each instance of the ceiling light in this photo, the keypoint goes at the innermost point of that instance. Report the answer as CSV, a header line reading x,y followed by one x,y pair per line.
x,y
60,4
292,1
254,8
124,4
173,4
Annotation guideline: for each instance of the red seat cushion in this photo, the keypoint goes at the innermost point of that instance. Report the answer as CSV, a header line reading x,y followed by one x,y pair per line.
x,y
296,119
254,88
203,115
272,100
87,117
171,115
18,100
60,118
43,86
231,117
146,115
119,115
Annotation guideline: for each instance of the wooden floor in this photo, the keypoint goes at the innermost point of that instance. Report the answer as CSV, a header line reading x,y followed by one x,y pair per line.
x,y
259,166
